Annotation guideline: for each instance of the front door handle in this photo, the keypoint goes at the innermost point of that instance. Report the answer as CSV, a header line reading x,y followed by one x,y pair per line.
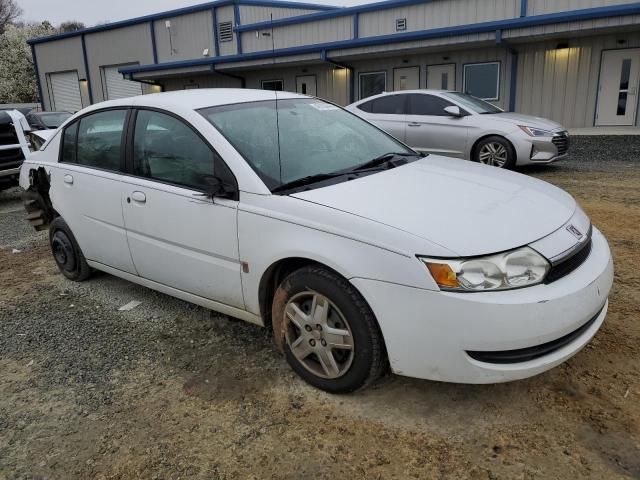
x,y
139,197
68,179
414,125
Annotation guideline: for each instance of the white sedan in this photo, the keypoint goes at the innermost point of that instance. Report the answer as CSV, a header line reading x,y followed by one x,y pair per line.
x,y
284,210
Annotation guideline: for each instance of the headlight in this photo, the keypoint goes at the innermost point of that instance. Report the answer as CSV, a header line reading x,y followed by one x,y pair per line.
x,y
535,132
519,268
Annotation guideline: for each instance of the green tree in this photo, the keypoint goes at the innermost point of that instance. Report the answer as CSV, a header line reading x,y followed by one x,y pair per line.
x,y
9,11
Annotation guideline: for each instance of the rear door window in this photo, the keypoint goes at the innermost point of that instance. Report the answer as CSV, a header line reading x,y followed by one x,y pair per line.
x,y
96,141
390,105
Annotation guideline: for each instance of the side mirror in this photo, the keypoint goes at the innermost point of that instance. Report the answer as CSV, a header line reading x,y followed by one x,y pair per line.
x,y
218,188
454,111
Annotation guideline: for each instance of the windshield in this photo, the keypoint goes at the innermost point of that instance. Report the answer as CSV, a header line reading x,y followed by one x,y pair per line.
x,y
54,120
304,137
472,103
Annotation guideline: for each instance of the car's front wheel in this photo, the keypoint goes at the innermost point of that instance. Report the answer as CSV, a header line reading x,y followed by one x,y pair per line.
x,y
327,331
495,151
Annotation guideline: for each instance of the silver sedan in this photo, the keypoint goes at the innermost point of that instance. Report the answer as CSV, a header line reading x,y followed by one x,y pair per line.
x,y
459,125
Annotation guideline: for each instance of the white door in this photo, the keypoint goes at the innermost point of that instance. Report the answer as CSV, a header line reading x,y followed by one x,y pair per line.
x,y
430,129
90,200
406,78
306,85
618,90
177,236
65,91
115,86
441,77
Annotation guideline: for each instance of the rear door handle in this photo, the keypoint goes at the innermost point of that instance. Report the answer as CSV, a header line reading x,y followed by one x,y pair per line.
x,y
414,125
139,197
68,179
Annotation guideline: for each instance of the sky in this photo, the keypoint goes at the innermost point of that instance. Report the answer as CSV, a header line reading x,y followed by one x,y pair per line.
x,y
92,12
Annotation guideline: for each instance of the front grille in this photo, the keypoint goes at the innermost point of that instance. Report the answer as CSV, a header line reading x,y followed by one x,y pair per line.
x,y
531,353
561,141
568,265
12,157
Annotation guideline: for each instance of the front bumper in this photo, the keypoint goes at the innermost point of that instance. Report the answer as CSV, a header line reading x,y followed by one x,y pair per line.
x,y
428,333
539,150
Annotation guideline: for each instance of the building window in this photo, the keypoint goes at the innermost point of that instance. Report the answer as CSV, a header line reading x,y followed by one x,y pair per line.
x,y
482,80
275,85
372,83
225,32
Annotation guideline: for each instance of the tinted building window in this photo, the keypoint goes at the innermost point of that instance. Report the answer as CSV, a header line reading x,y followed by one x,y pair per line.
x,y
372,83
275,85
482,80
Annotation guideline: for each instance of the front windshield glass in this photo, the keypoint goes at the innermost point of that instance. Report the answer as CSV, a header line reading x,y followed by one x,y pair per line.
x,y
301,138
472,103
54,120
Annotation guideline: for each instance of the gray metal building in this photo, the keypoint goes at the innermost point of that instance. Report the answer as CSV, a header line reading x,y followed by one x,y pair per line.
x,y
574,61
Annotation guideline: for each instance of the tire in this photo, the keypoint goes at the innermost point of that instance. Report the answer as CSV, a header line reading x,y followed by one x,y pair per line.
x,y
66,252
495,151
359,357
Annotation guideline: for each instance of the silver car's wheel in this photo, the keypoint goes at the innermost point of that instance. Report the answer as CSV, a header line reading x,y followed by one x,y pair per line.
x,y
495,151
318,335
493,154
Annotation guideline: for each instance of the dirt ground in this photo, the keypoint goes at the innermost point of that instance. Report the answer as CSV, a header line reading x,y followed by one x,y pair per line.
x,y
169,390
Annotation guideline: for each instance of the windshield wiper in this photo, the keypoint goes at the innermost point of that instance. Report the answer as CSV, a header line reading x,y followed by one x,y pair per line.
x,y
382,159
301,182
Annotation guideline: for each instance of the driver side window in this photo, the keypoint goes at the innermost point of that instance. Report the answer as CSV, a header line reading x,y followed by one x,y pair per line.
x,y
166,149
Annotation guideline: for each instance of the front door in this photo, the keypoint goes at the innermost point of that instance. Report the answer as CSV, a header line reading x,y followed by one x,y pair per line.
x,y
406,78
441,77
177,236
306,85
430,129
618,90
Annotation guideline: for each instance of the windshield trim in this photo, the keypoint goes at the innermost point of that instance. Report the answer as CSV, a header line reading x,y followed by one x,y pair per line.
x,y
339,178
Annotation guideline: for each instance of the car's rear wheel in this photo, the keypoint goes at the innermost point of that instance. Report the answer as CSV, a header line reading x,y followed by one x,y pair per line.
x,y
495,151
327,331
66,252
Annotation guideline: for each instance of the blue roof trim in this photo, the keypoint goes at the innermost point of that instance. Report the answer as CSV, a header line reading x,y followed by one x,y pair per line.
x,y
177,12
520,22
524,8
152,26
87,72
37,72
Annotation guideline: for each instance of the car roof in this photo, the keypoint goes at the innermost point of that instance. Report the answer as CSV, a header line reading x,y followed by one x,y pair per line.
x,y
195,99
400,92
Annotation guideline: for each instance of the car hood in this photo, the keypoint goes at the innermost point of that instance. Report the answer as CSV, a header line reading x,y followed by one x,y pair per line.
x,y
527,121
467,208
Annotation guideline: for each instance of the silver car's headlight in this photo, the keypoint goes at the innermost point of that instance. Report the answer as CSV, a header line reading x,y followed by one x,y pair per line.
x,y
535,132
518,268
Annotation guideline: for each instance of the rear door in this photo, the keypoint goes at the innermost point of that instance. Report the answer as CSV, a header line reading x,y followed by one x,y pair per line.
x,y
387,112
177,236
431,129
87,186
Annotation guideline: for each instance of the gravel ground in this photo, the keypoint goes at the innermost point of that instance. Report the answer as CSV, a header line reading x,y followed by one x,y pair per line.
x,y
170,390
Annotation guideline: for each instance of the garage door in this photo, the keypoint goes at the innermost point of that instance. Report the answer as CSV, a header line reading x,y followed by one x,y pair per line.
x,y
117,87
65,91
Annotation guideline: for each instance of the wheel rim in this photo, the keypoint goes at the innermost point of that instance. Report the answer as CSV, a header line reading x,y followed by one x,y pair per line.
x,y
318,335
63,251
494,154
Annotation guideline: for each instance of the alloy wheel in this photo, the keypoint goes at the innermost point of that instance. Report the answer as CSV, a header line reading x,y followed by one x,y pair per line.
x,y
318,335
494,154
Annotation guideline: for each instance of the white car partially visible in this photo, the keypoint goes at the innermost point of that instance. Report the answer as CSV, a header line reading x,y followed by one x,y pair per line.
x,y
284,210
